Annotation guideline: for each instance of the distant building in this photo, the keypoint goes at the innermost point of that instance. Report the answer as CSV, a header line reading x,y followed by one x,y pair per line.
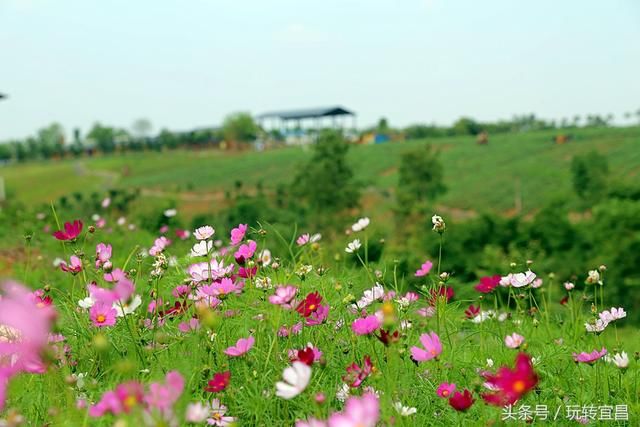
x,y
302,126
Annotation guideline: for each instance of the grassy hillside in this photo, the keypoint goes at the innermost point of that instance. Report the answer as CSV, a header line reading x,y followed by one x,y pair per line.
x,y
479,178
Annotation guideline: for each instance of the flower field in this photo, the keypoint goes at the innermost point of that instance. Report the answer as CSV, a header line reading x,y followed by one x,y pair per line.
x,y
201,327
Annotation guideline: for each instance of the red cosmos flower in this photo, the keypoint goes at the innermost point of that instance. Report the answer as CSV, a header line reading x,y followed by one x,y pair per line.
x,y
71,231
444,291
310,304
219,382
306,356
461,401
356,374
178,308
511,384
488,283
386,337
472,311
564,300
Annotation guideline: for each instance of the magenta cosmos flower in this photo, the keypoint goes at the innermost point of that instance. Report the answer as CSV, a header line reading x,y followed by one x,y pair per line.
x,y
71,231
318,317
245,252
589,357
237,234
488,284
284,296
366,325
445,390
431,343
424,269
242,346
124,398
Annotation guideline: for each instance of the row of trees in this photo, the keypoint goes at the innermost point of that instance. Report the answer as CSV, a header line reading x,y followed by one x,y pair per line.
x,y
50,142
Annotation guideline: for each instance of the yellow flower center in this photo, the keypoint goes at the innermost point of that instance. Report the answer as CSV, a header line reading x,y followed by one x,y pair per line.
x,y
519,386
101,318
130,401
312,307
445,393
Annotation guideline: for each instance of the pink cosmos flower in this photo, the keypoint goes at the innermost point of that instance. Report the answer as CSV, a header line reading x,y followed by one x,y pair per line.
x,y
303,239
427,311
182,234
245,252
24,333
285,331
203,271
237,234
445,390
114,275
589,357
225,286
71,231
424,269
192,325
102,314
103,254
284,296
318,317
204,232
358,412
163,396
124,398
242,346
164,229
74,267
514,340
431,343
366,325
159,245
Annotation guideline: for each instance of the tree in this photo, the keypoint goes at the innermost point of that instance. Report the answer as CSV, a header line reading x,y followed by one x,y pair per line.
x,y
168,139
142,128
50,140
466,126
326,181
421,180
240,127
103,136
383,125
590,173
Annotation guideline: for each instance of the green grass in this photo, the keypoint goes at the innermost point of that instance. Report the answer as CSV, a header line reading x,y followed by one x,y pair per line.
x,y
479,178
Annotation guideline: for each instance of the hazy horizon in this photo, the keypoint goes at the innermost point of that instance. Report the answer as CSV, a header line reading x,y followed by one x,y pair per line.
x,y
420,61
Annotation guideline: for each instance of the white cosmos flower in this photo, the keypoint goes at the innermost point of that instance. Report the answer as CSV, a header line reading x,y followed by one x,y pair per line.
x,y
315,237
569,285
264,257
170,213
86,302
201,248
598,326
621,360
296,379
204,232
127,308
360,225
405,411
343,393
369,296
353,246
520,280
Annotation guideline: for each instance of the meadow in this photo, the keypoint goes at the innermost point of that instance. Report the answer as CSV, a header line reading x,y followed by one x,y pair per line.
x,y
105,322
479,178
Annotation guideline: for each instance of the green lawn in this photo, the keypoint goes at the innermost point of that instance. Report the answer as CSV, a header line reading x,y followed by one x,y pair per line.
x,y
479,178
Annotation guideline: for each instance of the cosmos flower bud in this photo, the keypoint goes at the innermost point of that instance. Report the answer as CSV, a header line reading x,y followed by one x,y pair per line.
x,y
602,268
107,267
92,229
439,225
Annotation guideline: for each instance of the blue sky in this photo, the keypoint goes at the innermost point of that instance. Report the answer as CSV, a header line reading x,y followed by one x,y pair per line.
x,y
186,64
